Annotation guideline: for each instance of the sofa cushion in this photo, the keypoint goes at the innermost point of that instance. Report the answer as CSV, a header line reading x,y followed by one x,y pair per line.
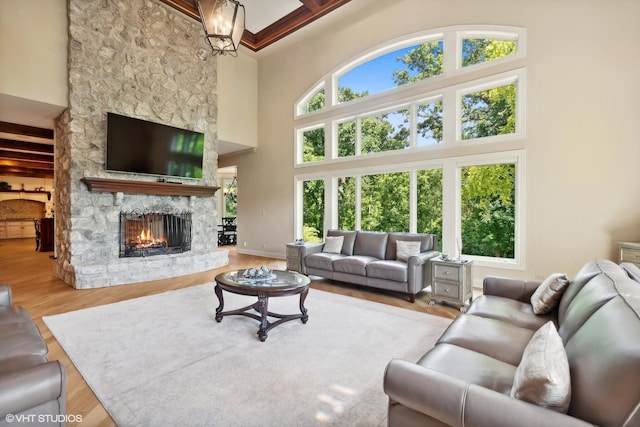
x,y
405,250
491,337
470,366
322,260
390,270
349,240
333,244
592,296
542,377
508,310
371,243
632,270
604,358
428,242
548,294
355,264
584,275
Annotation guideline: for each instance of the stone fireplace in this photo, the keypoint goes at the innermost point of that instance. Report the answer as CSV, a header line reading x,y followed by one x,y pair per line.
x,y
140,59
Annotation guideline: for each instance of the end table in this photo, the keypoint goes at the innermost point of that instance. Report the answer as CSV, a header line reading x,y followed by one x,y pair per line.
x,y
451,281
295,252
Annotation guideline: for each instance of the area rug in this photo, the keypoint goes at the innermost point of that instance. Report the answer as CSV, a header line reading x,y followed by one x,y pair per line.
x,y
163,360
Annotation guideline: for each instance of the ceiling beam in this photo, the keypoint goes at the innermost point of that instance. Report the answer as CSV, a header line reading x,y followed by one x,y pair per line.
x,y
12,144
25,172
312,5
19,155
24,130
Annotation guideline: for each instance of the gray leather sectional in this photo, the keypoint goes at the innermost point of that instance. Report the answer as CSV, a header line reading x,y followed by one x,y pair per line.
x,y
369,258
467,377
32,389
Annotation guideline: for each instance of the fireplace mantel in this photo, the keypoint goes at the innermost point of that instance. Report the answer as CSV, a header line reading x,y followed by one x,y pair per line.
x,y
145,187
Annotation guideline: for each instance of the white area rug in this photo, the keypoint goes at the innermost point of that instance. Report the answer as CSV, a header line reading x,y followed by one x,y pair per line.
x,y
163,360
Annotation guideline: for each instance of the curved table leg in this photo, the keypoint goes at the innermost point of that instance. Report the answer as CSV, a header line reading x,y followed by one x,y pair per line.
x,y
303,310
263,308
221,306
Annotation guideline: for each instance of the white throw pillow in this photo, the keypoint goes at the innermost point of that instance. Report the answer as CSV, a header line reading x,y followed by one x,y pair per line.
x,y
333,244
548,294
405,250
542,377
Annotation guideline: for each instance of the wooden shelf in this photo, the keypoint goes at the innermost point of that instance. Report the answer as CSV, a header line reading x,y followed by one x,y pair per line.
x,y
48,193
144,187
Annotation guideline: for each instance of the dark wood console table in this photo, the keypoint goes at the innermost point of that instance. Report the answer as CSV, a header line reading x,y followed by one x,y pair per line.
x,y
145,187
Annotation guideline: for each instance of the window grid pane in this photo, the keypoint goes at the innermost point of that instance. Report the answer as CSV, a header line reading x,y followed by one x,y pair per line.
x,y
429,206
313,210
347,203
489,112
429,123
385,132
488,210
385,202
313,145
477,51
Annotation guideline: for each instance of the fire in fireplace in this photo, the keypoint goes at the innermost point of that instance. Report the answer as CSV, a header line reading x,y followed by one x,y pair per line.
x,y
154,233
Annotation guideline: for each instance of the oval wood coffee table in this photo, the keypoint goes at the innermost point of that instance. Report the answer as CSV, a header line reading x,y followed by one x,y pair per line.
x,y
278,284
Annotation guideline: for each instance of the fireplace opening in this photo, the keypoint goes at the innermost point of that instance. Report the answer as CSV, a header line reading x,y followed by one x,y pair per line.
x,y
154,233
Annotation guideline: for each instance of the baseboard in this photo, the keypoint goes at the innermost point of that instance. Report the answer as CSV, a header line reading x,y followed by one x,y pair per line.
x,y
265,254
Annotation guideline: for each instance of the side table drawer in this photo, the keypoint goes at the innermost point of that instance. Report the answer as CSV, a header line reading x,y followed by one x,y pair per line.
x,y
293,264
293,252
451,290
629,255
448,272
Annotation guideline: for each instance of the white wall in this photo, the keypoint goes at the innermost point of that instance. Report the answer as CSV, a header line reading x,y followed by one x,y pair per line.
x,y
33,50
582,147
238,99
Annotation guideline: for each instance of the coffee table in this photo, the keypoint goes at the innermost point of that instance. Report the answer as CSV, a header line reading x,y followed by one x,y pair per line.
x,y
277,284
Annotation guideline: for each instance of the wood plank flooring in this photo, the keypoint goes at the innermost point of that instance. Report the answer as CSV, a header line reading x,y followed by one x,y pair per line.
x,y
32,278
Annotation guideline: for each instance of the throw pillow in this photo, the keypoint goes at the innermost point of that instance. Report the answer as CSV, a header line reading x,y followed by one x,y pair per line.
x,y
548,294
542,377
405,250
333,244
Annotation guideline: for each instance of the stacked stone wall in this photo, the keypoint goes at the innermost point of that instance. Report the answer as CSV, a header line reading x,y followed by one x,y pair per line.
x,y
140,59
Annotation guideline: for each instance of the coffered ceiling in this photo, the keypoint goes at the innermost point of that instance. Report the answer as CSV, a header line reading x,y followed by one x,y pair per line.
x,y
27,151
267,21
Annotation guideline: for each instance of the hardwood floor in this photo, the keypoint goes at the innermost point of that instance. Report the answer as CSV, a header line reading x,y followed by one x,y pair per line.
x,y
32,278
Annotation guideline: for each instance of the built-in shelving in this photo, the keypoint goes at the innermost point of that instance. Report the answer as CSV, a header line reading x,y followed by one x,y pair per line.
x,y
106,185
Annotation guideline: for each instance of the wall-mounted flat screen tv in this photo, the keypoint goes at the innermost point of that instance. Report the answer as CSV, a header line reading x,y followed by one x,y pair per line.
x,y
140,146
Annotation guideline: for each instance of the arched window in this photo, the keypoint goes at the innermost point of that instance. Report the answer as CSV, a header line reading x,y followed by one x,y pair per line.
x,y
407,108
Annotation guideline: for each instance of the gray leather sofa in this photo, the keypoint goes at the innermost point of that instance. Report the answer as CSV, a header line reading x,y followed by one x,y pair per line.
x,y
369,258
32,389
467,377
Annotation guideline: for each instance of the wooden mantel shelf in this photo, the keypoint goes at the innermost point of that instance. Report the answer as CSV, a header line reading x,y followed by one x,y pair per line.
x,y
144,187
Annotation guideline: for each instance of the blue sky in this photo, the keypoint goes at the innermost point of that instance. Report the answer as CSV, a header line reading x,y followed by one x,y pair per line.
x,y
374,75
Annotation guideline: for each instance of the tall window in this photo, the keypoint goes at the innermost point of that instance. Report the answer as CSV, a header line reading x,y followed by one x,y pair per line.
x,y
488,210
385,202
391,133
313,210
429,205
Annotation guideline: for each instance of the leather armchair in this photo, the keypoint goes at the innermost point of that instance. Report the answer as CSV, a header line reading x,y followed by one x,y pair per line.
x,y
31,388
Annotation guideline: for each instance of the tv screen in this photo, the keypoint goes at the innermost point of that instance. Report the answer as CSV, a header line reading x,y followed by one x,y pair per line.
x,y
140,146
